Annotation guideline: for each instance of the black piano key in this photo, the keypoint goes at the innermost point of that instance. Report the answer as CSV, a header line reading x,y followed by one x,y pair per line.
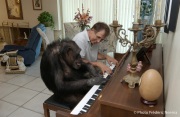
x,y
81,112
87,105
94,96
101,87
113,69
97,91
90,102
85,108
108,77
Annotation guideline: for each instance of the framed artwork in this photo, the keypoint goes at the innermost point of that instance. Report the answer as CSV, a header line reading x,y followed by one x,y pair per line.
x,y
171,15
37,4
14,9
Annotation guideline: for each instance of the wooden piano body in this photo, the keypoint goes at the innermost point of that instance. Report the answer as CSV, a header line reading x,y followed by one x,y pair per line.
x,y
117,100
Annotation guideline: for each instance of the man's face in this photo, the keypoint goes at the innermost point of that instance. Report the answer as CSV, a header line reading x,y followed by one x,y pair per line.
x,y
96,37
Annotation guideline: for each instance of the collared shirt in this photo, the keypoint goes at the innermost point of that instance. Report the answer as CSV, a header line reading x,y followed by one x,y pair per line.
x,y
88,51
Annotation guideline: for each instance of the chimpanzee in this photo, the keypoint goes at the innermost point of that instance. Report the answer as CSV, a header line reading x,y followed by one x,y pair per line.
x,y
65,74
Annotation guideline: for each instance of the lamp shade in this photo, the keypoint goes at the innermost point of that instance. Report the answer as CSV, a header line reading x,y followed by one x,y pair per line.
x,y
151,85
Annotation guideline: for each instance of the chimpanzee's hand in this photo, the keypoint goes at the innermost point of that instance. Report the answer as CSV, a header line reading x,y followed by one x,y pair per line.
x,y
96,81
99,75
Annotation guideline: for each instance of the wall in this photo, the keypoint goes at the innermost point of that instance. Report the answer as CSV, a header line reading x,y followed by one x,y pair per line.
x,y
30,15
171,56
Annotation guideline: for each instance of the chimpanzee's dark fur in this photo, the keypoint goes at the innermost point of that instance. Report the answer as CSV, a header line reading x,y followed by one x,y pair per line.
x,y
64,73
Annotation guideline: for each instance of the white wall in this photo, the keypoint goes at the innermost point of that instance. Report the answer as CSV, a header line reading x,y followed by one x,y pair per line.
x,y
30,15
171,45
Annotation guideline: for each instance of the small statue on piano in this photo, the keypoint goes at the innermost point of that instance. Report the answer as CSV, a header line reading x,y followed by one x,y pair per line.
x,y
65,74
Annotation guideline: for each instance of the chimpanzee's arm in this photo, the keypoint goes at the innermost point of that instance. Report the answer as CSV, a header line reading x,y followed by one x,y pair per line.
x,y
69,86
91,69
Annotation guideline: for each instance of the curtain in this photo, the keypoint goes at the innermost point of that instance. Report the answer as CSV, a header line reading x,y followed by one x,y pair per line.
x,y
101,10
125,17
105,11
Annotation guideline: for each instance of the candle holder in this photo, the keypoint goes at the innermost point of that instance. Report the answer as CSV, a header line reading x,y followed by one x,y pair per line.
x,y
115,25
149,37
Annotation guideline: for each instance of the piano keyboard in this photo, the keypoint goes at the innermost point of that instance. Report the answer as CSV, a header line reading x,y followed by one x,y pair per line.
x,y
84,105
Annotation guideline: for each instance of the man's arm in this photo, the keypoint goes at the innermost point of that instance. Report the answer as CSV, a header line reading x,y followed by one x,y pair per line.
x,y
109,59
100,65
101,56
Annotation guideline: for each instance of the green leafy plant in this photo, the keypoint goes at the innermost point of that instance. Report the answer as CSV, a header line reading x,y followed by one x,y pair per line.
x,y
47,19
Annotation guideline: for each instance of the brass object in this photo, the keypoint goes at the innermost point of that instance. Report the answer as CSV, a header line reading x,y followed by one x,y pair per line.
x,y
115,25
149,37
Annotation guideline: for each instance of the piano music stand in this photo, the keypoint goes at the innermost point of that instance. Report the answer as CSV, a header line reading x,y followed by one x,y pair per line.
x,y
141,55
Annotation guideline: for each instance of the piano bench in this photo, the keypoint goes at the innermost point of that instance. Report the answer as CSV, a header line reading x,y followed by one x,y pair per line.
x,y
52,104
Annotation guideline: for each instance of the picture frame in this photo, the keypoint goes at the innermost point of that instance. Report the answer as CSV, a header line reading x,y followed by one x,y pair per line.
x,y
37,4
171,15
14,9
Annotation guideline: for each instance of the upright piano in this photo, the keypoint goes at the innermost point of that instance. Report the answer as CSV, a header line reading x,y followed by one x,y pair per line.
x,y
116,99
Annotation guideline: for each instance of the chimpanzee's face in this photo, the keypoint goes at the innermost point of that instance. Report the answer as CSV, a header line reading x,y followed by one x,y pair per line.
x,y
77,61
72,56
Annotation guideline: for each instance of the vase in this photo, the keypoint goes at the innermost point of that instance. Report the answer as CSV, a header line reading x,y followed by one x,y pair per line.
x,y
84,26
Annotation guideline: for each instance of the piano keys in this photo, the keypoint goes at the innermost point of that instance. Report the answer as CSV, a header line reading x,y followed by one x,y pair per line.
x,y
84,105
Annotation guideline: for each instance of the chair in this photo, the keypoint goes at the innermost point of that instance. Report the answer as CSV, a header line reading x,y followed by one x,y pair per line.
x,y
45,40
109,43
71,29
52,104
32,49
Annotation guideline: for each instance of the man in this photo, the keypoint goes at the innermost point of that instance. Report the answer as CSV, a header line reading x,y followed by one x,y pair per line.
x,y
88,41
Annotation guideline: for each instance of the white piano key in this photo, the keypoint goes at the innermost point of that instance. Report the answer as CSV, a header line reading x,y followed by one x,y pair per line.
x,y
106,74
85,99
92,98
88,105
84,110
99,89
112,66
96,94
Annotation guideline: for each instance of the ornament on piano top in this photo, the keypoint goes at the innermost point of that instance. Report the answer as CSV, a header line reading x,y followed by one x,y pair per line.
x,y
150,87
138,67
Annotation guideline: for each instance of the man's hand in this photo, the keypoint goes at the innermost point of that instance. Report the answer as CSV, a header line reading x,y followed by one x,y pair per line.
x,y
103,67
111,60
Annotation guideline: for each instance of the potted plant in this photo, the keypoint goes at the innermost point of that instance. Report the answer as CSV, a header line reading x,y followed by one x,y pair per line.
x,y
47,19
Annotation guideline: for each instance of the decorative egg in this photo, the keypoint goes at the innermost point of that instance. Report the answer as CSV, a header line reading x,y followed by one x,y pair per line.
x,y
151,85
